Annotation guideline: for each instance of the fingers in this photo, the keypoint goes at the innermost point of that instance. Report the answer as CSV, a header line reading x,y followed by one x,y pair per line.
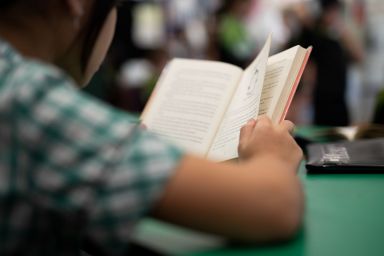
x,y
264,124
264,121
288,125
246,130
265,137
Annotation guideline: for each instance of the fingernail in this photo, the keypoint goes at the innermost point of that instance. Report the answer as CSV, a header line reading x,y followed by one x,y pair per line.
x,y
250,121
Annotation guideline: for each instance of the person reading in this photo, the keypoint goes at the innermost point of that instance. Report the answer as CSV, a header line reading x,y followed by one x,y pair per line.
x,y
74,169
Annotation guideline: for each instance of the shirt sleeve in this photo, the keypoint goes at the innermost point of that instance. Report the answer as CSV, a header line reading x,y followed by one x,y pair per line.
x,y
83,158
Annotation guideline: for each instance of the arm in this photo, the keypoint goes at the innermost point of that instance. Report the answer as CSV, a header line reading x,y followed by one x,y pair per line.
x,y
259,199
353,47
350,43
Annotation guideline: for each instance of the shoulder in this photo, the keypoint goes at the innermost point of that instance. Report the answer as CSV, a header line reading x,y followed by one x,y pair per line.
x,y
23,80
29,72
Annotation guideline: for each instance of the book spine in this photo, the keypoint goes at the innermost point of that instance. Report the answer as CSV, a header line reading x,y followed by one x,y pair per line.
x,y
292,94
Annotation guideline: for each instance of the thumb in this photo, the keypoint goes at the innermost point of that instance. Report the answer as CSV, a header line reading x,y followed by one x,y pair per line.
x,y
246,131
288,125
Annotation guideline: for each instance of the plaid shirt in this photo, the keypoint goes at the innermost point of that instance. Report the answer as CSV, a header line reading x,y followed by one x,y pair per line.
x,y
70,167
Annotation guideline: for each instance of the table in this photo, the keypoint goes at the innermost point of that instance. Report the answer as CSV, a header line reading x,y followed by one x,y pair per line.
x,y
344,216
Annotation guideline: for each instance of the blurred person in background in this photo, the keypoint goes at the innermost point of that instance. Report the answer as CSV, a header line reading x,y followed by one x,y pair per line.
x,y
295,17
378,117
333,49
234,44
73,169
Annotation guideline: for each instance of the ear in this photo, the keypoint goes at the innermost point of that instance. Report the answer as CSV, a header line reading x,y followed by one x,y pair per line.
x,y
76,7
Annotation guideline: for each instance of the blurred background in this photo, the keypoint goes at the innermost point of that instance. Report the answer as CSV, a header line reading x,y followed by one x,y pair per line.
x,y
342,84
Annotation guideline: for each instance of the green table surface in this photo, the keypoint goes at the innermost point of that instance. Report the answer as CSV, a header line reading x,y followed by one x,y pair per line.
x,y
344,216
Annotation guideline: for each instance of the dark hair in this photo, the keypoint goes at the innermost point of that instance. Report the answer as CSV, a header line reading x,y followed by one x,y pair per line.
x,y
226,5
327,4
5,3
99,13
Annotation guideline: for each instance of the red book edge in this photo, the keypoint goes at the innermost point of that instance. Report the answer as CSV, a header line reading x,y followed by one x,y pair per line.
x,y
293,91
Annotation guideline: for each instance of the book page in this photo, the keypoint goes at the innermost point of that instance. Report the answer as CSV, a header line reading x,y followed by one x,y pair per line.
x,y
244,106
190,101
278,70
292,81
274,80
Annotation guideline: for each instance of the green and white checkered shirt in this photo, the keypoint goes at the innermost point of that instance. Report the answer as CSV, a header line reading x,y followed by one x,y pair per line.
x,y
70,167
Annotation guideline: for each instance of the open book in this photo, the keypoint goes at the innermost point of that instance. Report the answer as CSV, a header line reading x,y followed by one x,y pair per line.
x,y
201,105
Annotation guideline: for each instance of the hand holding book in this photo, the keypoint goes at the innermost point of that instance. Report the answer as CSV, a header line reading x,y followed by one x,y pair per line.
x,y
261,138
202,105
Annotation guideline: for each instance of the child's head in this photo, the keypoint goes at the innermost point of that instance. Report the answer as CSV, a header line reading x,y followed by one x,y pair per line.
x,y
331,10
80,30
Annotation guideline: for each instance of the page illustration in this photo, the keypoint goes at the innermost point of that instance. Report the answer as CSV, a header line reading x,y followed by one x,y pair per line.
x,y
244,106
